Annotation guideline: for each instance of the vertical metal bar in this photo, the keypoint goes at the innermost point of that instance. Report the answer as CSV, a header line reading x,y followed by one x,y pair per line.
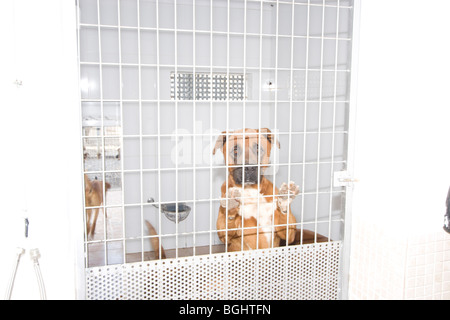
x,y
158,101
227,88
314,269
176,127
85,239
319,122
291,88
122,176
243,113
211,131
277,24
345,255
194,137
228,110
334,118
141,165
291,84
333,136
101,121
308,21
82,257
158,72
259,117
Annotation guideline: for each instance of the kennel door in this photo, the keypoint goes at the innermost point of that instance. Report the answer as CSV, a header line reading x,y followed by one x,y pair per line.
x,y
161,83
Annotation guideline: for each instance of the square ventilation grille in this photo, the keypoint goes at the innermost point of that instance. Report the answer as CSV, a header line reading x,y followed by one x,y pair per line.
x,y
207,86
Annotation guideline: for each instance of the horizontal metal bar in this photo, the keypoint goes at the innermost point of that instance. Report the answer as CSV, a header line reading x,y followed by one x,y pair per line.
x,y
201,200
224,33
177,135
208,101
215,167
212,231
198,67
306,3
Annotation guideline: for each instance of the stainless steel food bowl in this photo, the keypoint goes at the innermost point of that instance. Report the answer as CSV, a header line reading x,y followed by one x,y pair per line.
x,y
170,210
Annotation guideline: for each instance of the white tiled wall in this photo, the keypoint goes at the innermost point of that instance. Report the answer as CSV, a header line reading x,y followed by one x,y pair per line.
x,y
427,272
390,265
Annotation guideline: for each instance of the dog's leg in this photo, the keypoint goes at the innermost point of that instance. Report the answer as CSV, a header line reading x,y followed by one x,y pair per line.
x,y
88,221
286,195
227,218
94,222
234,195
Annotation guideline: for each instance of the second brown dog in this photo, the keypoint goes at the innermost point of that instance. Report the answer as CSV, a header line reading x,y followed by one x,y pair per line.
x,y
93,197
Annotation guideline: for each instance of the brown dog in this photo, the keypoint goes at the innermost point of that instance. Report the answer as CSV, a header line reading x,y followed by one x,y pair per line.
x,y
262,216
93,197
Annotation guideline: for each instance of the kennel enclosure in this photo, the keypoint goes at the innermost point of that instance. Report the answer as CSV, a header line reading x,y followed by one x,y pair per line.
x,y
160,80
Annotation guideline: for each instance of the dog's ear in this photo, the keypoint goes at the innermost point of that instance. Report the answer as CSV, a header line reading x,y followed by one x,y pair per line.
x,y
220,142
270,136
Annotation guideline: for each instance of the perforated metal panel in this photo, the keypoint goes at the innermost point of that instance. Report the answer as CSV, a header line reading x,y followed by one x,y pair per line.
x,y
207,86
297,272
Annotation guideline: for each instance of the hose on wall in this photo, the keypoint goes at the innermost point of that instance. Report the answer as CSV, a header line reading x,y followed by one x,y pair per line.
x,y
20,252
34,255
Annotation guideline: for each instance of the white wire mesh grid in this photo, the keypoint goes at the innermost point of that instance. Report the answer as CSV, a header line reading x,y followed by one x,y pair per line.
x,y
300,272
284,65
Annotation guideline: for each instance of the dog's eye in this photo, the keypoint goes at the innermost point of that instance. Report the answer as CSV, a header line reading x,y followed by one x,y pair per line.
x,y
236,151
257,149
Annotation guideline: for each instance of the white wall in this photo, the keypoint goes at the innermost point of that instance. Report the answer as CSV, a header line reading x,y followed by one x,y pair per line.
x,y
402,151
39,134
399,249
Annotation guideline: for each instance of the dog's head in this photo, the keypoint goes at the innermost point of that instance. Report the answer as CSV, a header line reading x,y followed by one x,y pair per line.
x,y
244,150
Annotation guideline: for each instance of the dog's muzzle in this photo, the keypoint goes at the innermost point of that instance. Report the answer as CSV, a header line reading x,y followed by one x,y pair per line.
x,y
250,175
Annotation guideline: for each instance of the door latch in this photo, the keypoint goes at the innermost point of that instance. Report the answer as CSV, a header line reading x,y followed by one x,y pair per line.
x,y
343,179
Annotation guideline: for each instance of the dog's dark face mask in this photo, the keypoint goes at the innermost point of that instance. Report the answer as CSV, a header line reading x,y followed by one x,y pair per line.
x,y
250,175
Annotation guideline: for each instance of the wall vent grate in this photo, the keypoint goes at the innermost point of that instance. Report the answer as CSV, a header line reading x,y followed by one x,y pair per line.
x,y
215,86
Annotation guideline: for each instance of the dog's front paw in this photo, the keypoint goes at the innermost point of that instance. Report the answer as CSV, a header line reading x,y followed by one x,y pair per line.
x,y
233,198
286,195
289,191
235,193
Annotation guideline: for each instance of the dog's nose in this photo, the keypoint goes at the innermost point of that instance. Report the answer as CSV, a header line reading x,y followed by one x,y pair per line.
x,y
251,169
250,174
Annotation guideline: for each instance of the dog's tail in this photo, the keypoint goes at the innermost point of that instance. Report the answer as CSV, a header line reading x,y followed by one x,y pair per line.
x,y
154,241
